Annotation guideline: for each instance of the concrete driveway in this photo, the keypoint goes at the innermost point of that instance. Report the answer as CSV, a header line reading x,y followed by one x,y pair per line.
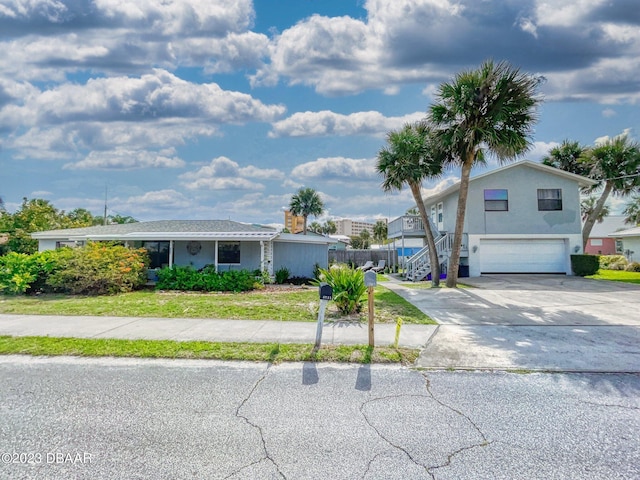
x,y
537,322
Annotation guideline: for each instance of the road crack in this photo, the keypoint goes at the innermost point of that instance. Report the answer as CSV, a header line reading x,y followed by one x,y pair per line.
x,y
485,442
238,414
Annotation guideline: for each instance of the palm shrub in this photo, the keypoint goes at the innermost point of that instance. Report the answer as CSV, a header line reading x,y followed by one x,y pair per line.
x,y
348,287
282,275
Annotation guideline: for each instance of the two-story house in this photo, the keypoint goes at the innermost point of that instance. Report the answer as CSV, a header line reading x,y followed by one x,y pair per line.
x,y
521,218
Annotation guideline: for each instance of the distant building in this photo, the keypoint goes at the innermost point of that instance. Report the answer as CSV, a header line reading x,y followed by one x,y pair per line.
x,y
351,227
293,223
601,240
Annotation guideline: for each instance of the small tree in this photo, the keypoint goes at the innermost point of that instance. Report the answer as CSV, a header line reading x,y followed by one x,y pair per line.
x,y
380,231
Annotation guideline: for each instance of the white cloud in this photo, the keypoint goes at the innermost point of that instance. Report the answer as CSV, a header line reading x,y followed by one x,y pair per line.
x,y
123,159
225,174
324,123
608,113
337,169
155,199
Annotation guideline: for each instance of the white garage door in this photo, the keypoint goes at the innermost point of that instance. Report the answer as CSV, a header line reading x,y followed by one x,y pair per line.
x,y
523,256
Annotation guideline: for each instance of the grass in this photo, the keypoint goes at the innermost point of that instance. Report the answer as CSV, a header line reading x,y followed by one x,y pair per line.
x,y
257,352
298,305
617,276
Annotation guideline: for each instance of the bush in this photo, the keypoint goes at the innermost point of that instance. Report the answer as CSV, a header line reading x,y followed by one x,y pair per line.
x,y
633,267
613,262
98,269
17,272
282,275
189,279
583,265
348,287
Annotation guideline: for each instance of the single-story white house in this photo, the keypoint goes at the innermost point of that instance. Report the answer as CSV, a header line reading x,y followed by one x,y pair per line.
x,y
630,243
226,244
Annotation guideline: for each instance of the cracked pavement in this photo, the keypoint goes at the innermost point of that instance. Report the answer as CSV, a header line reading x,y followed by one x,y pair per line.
x,y
217,420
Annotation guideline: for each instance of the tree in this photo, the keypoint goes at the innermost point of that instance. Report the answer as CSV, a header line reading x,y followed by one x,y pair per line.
x,y
329,227
492,109
615,165
568,157
409,158
380,231
81,217
315,227
632,211
305,202
412,211
587,206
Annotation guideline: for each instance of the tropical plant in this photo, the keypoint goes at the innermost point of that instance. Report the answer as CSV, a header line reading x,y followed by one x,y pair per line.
x,y
409,158
329,227
282,275
492,109
632,211
587,207
568,157
305,202
315,227
348,287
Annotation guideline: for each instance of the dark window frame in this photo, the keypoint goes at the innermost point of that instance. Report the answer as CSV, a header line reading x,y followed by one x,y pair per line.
x,y
548,202
496,204
229,253
159,251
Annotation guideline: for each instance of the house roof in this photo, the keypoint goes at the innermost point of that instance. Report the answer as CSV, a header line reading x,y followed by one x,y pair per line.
x,y
631,232
610,224
582,181
164,229
175,230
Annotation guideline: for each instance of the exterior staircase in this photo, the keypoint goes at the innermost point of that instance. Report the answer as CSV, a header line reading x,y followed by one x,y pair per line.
x,y
418,267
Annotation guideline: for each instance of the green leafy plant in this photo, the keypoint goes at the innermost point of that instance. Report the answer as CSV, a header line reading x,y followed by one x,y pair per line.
x,y
282,275
613,262
17,272
348,287
186,278
633,267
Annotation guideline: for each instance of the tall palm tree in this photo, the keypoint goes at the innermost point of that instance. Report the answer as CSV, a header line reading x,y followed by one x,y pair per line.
x,y
490,109
568,157
615,164
305,202
380,231
408,158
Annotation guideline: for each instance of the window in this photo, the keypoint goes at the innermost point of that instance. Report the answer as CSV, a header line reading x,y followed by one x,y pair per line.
x,y
440,212
496,200
433,213
158,253
549,199
228,252
596,242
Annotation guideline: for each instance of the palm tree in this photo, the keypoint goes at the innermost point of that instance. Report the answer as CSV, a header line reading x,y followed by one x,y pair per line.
x,y
492,108
568,157
329,227
409,159
587,206
615,164
305,202
380,231
632,211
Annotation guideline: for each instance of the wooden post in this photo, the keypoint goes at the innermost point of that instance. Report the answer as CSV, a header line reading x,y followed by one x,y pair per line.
x,y
371,340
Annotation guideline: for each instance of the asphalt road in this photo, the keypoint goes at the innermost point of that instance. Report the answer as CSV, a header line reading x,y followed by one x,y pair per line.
x,y
125,418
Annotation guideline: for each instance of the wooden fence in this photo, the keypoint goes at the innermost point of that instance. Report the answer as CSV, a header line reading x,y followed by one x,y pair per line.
x,y
360,257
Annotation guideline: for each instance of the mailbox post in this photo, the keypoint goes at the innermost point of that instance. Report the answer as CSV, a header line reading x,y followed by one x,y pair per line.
x,y
370,281
326,294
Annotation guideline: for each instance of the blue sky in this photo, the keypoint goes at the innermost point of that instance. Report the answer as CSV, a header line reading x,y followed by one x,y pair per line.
x,y
202,109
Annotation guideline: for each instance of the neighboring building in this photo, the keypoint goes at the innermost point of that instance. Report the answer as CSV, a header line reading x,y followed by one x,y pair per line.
x,y
600,242
293,223
227,245
351,228
520,218
630,243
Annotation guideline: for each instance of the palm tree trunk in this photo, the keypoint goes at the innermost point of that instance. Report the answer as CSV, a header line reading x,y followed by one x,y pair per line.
x,y
593,216
433,255
304,225
454,259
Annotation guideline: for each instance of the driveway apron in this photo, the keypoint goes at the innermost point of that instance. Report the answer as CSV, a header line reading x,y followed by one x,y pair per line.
x,y
532,322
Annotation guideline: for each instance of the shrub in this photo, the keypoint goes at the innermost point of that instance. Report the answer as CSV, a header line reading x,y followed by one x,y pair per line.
x,y
348,287
612,262
189,279
633,267
98,269
282,275
583,265
17,272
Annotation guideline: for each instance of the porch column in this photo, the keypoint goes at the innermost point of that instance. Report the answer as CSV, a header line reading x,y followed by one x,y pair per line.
x,y
215,255
170,253
261,255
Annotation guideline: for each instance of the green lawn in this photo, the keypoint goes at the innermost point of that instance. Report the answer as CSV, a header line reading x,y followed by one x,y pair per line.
x,y
273,304
259,352
617,276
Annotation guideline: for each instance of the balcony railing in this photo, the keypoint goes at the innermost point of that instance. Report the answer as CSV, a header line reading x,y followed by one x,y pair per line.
x,y
408,226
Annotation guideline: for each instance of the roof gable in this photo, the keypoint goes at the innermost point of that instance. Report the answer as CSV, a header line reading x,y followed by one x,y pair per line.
x,y
580,180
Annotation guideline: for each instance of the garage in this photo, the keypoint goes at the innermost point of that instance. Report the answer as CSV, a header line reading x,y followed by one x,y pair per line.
x,y
523,256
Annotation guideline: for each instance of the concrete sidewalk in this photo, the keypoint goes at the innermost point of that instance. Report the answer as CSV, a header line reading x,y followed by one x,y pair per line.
x,y
185,329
